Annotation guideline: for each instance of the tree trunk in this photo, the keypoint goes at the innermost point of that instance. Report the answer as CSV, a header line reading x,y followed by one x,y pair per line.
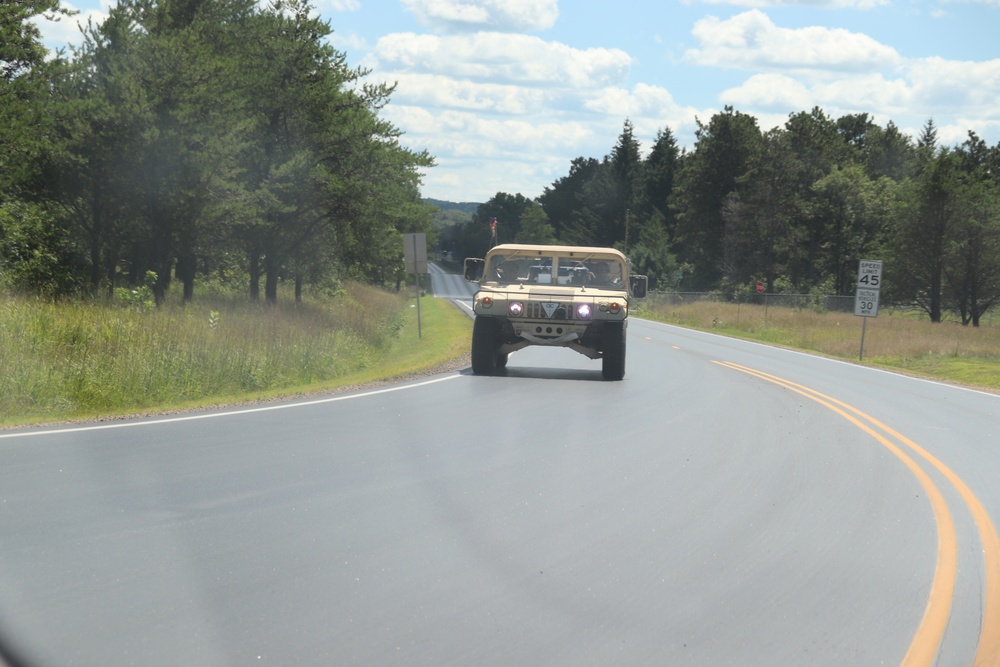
x,y
162,283
186,269
935,297
974,308
96,225
254,269
95,260
111,273
270,279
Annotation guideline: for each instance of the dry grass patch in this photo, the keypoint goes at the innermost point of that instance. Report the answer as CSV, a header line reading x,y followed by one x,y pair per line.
x,y
946,350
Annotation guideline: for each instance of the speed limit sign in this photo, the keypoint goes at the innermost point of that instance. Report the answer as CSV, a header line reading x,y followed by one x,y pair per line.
x,y
869,283
870,274
866,295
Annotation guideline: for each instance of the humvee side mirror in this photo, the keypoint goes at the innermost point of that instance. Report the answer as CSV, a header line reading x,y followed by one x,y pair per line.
x,y
474,269
637,285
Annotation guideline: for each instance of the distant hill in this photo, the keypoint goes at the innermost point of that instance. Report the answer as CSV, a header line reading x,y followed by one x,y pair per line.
x,y
464,207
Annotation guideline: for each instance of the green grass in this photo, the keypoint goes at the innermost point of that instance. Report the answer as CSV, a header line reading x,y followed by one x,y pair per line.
x,y
894,340
72,361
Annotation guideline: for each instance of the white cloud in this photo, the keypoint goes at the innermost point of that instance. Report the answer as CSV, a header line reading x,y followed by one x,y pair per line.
x,y
772,97
844,72
820,4
513,110
453,133
958,86
493,15
953,134
931,86
769,91
337,5
650,108
751,41
890,97
479,156
966,93
499,57
436,91
66,30
350,42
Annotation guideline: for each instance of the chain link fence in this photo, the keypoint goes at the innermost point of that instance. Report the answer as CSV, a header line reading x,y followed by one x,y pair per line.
x,y
820,302
816,302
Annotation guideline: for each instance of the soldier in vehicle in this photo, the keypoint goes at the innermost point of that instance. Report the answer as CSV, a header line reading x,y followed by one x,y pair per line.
x,y
508,271
601,274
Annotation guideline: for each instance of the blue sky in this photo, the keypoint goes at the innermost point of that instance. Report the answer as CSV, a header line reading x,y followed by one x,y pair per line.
x,y
505,93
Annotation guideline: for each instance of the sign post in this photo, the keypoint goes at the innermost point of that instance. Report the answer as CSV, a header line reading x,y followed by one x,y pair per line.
x,y
415,260
866,295
760,290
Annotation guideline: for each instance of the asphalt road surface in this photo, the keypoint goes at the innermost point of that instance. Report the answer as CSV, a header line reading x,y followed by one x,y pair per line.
x,y
727,503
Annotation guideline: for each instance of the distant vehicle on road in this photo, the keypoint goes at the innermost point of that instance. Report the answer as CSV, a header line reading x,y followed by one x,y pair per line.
x,y
549,295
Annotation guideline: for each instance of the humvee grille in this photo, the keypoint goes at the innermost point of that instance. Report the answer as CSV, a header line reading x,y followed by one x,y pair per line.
x,y
535,311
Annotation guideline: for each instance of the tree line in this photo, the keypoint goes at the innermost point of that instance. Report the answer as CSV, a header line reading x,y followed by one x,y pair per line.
x,y
795,207
192,138
222,139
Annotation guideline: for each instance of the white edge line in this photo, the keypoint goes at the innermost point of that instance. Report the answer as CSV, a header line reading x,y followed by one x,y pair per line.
x,y
463,304
213,415
830,359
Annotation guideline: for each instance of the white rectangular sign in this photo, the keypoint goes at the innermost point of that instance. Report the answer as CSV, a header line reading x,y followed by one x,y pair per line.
x,y
415,253
870,274
866,303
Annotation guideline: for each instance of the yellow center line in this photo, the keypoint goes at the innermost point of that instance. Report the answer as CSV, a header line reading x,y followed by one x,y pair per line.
x,y
927,640
988,651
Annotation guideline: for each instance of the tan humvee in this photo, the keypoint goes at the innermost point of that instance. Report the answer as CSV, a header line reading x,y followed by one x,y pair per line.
x,y
562,296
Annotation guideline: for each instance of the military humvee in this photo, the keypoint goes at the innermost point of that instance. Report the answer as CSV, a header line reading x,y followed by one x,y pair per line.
x,y
559,296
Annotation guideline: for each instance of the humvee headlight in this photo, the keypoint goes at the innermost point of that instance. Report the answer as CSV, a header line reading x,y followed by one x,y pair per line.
x,y
515,309
487,301
614,308
584,311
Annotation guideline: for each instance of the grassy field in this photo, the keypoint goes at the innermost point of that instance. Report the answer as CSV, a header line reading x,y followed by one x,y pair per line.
x,y
84,360
906,342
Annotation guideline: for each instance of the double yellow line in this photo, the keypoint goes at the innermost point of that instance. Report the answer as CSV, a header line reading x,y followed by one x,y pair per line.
x,y
927,640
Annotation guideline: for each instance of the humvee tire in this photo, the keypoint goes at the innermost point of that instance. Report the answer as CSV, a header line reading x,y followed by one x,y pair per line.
x,y
613,362
485,342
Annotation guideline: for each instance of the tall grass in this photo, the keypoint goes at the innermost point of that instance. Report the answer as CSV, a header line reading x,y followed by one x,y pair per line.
x,y
898,340
71,360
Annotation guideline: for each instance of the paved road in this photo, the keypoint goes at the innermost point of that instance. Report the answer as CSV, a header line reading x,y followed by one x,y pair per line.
x,y
704,511
449,285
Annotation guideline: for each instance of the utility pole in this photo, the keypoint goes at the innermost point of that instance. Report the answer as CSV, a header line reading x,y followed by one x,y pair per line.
x,y
628,213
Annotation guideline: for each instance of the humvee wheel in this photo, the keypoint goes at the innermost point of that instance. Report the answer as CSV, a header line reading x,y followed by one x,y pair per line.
x,y
485,341
613,363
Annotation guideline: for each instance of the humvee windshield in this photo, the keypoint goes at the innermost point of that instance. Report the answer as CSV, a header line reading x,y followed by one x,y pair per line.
x,y
592,270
